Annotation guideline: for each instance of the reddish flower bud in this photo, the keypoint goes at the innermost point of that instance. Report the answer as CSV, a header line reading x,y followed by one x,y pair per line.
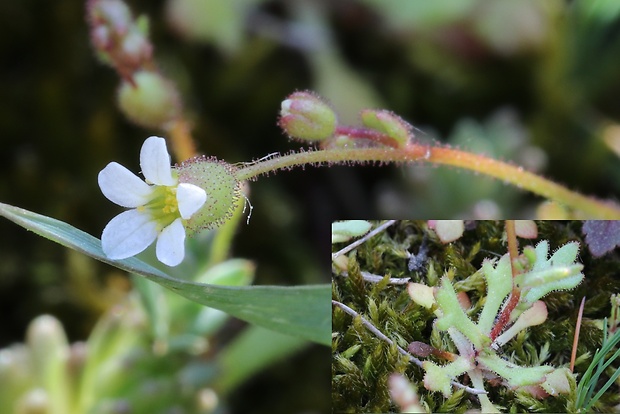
x,y
120,40
388,123
112,13
305,116
135,49
100,36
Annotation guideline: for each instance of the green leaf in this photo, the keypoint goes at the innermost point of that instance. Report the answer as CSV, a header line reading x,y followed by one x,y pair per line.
x,y
454,317
345,230
252,350
499,285
558,272
300,311
516,376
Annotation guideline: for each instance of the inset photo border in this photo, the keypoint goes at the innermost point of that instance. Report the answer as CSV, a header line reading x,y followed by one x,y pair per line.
x,y
458,315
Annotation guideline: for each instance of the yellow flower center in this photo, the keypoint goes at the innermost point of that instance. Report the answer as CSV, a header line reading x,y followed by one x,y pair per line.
x,y
163,206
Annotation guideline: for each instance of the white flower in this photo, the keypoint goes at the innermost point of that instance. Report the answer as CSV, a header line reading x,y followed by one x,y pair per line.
x,y
159,207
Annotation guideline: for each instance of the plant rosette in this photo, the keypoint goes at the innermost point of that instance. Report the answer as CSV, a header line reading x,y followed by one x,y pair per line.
x,y
475,341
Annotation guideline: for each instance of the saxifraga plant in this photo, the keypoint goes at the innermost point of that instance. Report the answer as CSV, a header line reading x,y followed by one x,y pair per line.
x,y
479,331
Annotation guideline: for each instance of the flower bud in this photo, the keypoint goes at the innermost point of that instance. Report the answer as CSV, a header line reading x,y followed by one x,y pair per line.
x,y
448,230
526,229
47,342
152,101
119,40
218,180
135,49
101,37
306,117
112,13
388,123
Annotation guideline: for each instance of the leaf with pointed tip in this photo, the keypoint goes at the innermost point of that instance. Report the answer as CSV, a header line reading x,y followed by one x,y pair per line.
x,y
301,311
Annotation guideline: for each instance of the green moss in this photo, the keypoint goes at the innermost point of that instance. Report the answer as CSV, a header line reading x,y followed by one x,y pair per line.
x,y
388,307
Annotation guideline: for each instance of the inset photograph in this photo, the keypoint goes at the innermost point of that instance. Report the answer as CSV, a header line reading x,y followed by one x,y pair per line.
x,y
475,316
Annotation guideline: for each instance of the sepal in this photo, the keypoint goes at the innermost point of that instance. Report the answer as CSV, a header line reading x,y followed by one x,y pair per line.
x,y
388,123
221,186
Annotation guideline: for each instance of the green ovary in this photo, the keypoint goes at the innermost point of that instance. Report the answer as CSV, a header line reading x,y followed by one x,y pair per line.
x,y
163,206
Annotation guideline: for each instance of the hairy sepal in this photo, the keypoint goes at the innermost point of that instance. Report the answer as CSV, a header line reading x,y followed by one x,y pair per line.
x,y
218,180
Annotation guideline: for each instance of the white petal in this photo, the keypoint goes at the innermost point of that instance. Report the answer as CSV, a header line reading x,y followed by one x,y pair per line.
x,y
155,162
190,198
123,187
128,234
170,248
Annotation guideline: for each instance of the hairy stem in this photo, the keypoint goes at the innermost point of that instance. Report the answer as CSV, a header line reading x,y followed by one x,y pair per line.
x,y
508,173
513,245
183,145
504,317
515,294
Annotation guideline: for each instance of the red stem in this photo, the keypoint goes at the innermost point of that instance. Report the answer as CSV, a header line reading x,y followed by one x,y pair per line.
x,y
366,133
504,317
513,245
515,295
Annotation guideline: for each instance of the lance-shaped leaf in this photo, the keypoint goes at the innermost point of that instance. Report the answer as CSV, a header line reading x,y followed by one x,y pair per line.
x,y
301,311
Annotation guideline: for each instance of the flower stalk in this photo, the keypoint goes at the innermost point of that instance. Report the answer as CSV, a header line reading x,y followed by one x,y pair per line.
x,y
510,174
181,141
145,96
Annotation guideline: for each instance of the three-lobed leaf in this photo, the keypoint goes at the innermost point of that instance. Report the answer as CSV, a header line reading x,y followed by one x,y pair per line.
x,y
558,272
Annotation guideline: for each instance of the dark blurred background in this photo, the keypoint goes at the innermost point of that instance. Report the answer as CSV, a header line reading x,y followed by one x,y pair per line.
x,y
535,83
